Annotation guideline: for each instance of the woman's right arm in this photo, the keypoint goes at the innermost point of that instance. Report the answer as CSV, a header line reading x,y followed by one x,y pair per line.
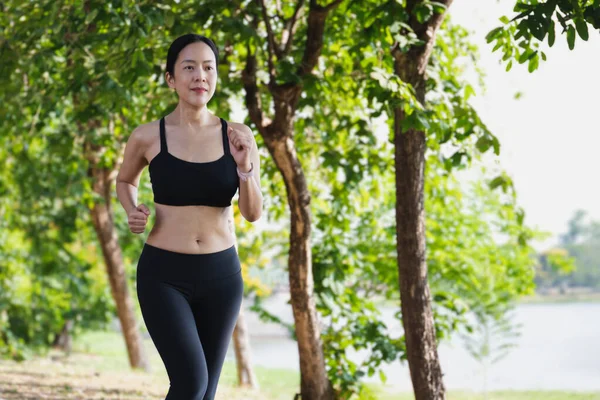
x,y
128,180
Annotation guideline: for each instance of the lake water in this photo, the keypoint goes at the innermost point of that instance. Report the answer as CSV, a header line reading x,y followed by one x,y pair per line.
x,y
559,348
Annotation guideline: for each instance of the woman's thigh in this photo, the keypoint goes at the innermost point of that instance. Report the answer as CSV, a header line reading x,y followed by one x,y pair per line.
x,y
216,306
169,318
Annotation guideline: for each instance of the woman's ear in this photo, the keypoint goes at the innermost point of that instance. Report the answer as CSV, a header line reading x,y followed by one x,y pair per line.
x,y
170,80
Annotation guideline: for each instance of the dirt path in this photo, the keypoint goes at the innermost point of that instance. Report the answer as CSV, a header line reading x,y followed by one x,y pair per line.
x,y
64,378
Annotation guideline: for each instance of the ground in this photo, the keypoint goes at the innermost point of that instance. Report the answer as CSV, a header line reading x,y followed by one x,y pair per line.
x,y
98,369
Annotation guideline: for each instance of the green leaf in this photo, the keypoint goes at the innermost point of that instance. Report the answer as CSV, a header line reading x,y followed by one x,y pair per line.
x,y
536,26
504,19
551,34
483,144
439,8
423,121
509,66
524,56
494,33
423,11
571,37
582,28
521,33
533,63
469,91
169,19
129,43
520,7
91,16
382,376
456,158
497,181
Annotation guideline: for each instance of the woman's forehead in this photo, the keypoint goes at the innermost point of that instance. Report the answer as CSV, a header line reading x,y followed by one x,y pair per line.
x,y
199,52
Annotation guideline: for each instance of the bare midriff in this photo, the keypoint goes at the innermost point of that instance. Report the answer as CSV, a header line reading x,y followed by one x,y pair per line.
x,y
191,229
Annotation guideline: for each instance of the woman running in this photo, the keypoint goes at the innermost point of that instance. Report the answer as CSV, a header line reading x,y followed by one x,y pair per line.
x,y
189,282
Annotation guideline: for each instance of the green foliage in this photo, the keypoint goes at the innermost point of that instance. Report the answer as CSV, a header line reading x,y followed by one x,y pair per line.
x,y
92,77
74,89
520,37
478,259
478,254
45,282
576,262
354,255
492,339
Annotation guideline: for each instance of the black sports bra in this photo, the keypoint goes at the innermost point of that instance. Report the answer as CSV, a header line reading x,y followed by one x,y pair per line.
x,y
177,182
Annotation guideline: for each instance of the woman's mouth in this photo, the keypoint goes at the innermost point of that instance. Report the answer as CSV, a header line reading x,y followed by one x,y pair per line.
x,y
199,90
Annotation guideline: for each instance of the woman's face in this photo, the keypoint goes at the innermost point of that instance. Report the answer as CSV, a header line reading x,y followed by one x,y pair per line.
x,y
195,74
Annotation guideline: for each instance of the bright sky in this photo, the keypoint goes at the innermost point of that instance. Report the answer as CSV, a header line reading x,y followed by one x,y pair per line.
x,y
550,137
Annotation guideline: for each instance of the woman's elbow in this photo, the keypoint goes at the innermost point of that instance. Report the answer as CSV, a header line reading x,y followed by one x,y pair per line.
x,y
252,216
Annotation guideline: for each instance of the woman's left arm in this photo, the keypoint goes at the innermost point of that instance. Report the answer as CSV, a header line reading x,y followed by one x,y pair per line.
x,y
250,199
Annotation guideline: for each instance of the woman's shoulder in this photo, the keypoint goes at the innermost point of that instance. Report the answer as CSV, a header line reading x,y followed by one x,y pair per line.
x,y
239,126
146,133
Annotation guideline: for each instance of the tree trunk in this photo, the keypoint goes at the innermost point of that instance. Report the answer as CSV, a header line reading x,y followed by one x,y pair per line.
x,y
241,340
278,135
241,344
63,340
417,317
102,218
314,381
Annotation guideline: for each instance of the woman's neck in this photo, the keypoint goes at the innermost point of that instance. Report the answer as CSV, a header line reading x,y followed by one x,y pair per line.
x,y
192,118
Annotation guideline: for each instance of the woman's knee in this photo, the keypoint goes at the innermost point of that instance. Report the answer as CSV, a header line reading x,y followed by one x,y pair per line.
x,y
199,389
189,389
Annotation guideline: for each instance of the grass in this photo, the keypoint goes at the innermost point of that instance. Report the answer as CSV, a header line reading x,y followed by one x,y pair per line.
x,y
562,298
98,369
592,297
503,395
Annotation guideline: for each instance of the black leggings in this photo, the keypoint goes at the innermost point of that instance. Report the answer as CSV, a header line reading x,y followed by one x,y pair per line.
x,y
190,304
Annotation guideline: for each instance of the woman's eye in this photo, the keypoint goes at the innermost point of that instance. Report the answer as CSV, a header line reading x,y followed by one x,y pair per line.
x,y
190,67
209,68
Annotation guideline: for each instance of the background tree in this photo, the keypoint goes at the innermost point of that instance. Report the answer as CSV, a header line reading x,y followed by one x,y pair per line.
x,y
575,261
313,77
411,36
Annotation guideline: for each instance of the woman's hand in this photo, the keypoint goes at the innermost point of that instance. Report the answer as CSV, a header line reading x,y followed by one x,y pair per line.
x,y
241,143
137,218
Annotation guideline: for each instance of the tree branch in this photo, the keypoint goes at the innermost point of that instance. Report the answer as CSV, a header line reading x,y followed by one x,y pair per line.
x,y
410,66
563,20
291,27
314,38
332,5
272,44
279,9
522,15
252,93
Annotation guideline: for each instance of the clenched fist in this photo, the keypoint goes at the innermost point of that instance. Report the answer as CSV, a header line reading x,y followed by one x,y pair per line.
x,y
137,218
241,143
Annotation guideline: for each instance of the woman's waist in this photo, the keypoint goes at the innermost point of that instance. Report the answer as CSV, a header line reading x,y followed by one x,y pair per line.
x,y
192,229
191,242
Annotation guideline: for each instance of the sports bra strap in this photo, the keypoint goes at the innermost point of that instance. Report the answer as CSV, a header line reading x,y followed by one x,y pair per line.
x,y
225,137
163,137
